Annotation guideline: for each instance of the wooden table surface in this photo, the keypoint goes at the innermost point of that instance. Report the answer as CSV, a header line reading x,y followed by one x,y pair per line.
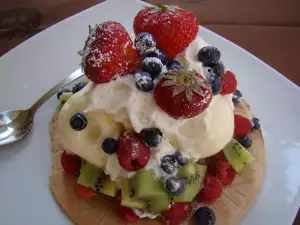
x,y
269,29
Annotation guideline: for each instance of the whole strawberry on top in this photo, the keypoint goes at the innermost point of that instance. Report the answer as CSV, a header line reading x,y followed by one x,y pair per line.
x,y
108,53
183,94
172,27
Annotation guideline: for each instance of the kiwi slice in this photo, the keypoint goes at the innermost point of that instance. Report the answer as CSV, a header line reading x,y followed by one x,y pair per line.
x,y
193,174
128,196
104,185
95,178
150,190
237,155
88,175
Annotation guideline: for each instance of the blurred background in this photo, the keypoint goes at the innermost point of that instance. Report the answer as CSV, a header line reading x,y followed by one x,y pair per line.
x,y
269,29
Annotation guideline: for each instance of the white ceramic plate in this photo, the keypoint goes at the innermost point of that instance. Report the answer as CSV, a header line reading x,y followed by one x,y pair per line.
x,y
36,65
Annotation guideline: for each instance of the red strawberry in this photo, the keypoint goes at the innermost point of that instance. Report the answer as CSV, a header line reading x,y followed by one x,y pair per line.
x,y
70,163
225,172
177,213
172,27
108,53
211,191
127,214
133,153
84,192
183,94
242,125
229,83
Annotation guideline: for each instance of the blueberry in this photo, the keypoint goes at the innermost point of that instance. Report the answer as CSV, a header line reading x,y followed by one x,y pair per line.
x,y
61,91
216,85
174,186
159,54
173,65
216,69
236,97
109,145
153,66
151,136
205,216
209,55
143,81
78,122
181,159
246,141
169,164
145,42
77,87
256,124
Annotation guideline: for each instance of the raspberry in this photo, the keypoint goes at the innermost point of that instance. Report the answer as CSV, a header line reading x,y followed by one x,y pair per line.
x,y
127,214
70,163
242,125
133,153
177,213
229,83
225,172
84,192
211,191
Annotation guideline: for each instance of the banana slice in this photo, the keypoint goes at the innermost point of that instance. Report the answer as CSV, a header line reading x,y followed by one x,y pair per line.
x,y
87,143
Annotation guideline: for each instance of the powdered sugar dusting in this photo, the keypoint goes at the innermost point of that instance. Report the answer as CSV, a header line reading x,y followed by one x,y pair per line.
x,y
87,47
148,60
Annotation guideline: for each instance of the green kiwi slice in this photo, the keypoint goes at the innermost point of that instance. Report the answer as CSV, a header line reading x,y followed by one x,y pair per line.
x,y
237,155
95,178
150,190
128,196
193,174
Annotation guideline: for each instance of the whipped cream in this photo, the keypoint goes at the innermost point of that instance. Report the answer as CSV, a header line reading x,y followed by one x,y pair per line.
x,y
118,105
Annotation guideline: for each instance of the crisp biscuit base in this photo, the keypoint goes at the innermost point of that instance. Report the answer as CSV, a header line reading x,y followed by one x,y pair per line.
x,y
101,210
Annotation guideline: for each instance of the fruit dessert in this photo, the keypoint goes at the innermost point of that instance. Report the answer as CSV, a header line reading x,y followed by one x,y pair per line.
x,y
159,133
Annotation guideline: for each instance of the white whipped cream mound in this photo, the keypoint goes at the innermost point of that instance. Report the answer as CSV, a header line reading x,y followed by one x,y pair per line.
x,y
118,105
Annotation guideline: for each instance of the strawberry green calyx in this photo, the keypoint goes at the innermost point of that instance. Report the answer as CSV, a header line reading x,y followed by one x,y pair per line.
x,y
159,7
187,81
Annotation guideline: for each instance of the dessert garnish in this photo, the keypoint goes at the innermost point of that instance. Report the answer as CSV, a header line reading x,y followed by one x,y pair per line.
x,y
108,53
172,27
209,55
144,81
183,94
229,83
133,153
205,216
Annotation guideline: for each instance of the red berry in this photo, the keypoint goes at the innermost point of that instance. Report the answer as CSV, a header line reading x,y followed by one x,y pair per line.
x,y
183,94
84,192
242,125
177,213
70,163
127,214
173,28
109,52
211,191
212,162
133,153
229,83
225,172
